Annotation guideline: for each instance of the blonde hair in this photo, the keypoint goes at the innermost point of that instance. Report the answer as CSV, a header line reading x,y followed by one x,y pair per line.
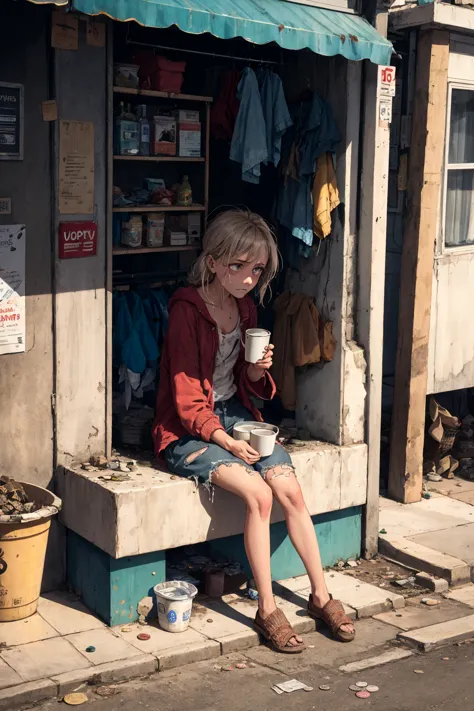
x,y
228,237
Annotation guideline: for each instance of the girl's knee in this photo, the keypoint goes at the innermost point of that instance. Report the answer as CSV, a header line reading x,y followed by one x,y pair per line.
x,y
287,490
261,501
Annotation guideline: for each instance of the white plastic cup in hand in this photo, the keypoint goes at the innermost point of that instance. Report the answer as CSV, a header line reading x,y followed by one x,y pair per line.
x,y
256,342
263,441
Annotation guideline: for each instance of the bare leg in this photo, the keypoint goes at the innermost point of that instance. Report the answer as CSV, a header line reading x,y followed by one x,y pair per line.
x,y
301,530
258,498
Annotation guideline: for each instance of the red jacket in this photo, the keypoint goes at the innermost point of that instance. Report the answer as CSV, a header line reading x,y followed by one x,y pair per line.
x,y
185,402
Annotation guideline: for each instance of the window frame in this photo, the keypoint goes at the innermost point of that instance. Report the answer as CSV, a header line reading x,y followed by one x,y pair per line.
x,y
444,248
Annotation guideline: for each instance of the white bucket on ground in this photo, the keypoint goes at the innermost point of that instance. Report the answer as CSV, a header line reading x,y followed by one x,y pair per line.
x,y
174,601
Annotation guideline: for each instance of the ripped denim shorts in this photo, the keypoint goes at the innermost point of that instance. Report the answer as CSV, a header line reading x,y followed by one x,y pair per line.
x,y
201,468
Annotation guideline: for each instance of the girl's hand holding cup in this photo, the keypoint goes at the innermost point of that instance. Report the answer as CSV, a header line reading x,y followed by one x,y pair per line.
x,y
256,371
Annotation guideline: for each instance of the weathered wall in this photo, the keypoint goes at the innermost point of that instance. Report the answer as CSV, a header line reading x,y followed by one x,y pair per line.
x,y
331,398
451,353
26,379
80,314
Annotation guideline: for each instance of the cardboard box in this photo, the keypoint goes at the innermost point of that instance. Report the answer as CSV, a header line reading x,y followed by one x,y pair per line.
x,y
177,239
186,116
164,142
190,140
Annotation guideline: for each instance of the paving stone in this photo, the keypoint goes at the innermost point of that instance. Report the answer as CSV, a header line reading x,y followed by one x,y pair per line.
x,y
159,639
142,665
404,520
294,584
467,497
365,599
440,635
421,557
370,634
464,595
40,660
458,541
188,654
226,619
391,655
8,677
109,647
67,614
24,694
436,585
415,615
33,629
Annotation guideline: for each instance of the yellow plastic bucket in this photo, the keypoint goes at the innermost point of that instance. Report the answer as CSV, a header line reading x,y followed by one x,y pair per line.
x,y
23,541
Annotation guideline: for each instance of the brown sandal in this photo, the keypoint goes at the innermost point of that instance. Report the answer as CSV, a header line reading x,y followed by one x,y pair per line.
x,y
277,630
334,616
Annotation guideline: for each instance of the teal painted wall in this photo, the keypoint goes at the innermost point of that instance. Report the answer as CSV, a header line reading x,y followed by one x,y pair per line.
x,y
339,535
112,587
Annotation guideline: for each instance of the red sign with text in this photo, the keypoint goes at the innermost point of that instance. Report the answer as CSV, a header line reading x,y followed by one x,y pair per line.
x,y
77,239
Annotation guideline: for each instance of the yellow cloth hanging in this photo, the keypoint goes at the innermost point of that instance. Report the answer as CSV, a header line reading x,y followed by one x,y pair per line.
x,y
325,195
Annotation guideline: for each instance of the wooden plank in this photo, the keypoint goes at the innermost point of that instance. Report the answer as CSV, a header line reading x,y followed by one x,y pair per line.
x,y
372,234
119,251
162,94
424,185
162,159
160,208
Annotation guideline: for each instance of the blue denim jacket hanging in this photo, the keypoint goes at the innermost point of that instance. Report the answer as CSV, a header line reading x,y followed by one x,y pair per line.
x,y
249,141
276,114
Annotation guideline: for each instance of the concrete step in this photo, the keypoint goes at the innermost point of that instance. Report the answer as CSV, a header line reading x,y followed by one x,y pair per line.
x,y
427,638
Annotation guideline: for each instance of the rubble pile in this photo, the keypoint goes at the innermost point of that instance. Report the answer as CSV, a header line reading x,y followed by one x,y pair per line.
x,y
13,498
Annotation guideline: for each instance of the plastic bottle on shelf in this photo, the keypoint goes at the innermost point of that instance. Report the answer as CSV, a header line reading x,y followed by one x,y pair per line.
x,y
127,136
185,194
144,130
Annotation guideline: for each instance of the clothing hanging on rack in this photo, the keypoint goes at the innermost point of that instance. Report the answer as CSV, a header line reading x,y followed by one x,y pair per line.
x,y
314,133
276,114
325,195
249,140
225,110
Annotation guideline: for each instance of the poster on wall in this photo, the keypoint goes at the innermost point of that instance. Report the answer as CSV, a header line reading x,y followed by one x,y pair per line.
x,y
12,289
76,168
11,121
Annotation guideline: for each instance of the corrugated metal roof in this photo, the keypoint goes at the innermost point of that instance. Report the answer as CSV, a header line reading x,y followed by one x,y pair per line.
x,y
290,25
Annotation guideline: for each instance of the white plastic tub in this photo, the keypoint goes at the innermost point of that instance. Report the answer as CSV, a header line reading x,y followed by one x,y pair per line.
x,y
174,601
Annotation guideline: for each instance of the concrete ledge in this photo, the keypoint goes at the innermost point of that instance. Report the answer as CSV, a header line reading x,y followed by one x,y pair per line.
x,y
106,673
428,560
187,654
29,693
153,512
428,638
392,655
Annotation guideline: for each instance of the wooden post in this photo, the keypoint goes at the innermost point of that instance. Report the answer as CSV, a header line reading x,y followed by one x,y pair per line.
x,y
424,185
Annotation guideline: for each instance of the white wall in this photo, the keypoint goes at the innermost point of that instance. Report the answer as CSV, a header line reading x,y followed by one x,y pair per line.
x,y
451,347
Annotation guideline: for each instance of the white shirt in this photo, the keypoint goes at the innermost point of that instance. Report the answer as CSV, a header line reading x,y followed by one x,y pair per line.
x,y
226,358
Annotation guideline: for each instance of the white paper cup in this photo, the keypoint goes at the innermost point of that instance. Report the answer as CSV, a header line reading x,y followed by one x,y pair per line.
x,y
256,341
242,430
263,441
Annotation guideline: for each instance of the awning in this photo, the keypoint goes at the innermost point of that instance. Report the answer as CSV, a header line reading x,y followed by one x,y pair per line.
x,y
290,25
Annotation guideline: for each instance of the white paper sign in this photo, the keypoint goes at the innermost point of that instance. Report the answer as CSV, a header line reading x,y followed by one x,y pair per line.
x,y
12,289
387,77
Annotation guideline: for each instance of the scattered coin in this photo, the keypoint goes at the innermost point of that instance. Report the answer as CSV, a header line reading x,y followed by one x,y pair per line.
x,y
75,699
353,687
445,659
90,649
311,646
210,620
418,671
372,689
361,684
143,636
430,602
228,668
252,665
241,665
308,688
324,687
125,629
363,694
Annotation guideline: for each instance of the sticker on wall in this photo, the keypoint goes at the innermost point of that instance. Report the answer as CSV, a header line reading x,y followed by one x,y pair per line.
x,y
12,289
11,121
49,110
5,206
385,113
77,239
64,30
95,35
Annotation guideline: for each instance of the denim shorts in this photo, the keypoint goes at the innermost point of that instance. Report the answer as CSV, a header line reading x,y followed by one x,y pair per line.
x,y
201,469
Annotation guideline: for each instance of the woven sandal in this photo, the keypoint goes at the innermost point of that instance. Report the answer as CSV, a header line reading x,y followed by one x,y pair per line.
x,y
277,630
334,616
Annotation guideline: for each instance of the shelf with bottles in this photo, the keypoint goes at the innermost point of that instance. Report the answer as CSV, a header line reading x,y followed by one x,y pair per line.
x,y
174,135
